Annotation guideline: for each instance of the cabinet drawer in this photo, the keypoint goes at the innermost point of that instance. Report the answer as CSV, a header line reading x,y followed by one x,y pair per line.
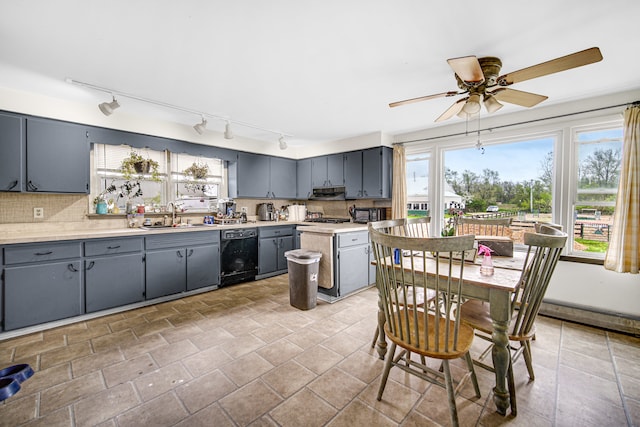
x,y
112,246
184,239
19,254
285,230
353,239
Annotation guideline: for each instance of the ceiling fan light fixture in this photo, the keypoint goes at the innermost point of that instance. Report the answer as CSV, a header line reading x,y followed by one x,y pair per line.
x,y
200,127
491,103
282,143
472,105
108,107
228,134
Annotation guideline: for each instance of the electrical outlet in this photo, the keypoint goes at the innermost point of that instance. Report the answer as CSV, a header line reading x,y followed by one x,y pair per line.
x,y
243,209
38,213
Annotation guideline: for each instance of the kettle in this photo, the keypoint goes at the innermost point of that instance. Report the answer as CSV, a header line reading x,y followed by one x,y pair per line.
x,y
266,212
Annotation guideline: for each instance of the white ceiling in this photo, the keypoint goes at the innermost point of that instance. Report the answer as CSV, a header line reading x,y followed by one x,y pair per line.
x,y
317,70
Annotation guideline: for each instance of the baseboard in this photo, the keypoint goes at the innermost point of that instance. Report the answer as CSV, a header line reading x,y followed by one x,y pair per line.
x,y
608,320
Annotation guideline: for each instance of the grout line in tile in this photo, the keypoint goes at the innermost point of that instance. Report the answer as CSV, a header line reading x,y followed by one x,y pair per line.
x,y
625,407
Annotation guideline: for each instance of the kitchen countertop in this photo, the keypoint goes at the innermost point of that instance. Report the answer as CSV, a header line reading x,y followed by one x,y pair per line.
x,y
55,234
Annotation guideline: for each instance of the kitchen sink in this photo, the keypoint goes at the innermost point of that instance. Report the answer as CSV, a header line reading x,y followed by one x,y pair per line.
x,y
177,227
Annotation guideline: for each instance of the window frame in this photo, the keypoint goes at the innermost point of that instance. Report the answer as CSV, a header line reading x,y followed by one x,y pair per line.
x,y
565,165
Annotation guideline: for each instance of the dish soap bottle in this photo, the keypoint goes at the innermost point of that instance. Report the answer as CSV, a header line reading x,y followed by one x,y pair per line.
x,y
486,268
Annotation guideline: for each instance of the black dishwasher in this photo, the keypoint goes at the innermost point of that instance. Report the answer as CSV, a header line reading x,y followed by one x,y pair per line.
x,y
238,255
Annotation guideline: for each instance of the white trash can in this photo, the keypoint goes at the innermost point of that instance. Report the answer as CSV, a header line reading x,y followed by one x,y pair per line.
x,y
303,266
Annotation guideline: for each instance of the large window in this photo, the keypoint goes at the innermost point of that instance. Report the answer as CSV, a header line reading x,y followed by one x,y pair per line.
x,y
190,180
417,184
597,172
563,173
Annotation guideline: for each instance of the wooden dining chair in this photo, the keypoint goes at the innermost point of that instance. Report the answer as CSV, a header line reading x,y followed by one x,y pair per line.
x,y
411,227
438,333
544,248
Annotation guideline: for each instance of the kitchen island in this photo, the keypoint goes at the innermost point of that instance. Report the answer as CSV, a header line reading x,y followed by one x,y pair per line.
x,y
345,266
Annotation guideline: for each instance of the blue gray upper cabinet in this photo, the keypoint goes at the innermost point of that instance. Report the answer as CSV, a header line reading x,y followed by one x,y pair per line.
x,y
57,157
377,166
368,173
327,171
262,176
12,138
304,179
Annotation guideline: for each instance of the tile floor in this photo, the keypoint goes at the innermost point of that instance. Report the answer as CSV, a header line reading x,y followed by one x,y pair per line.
x,y
242,355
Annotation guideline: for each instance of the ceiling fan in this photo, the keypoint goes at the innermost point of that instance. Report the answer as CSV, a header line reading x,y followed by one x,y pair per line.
x,y
480,78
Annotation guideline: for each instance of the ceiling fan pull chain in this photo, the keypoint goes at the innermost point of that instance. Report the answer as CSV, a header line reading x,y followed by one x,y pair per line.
x,y
479,143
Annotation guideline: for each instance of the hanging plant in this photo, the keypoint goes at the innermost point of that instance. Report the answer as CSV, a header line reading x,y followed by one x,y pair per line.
x,y
197,171
196,175
137,166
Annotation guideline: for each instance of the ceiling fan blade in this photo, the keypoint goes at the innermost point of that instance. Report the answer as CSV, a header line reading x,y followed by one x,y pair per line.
x,y
574,60
518,97
422,98
453,110
467,68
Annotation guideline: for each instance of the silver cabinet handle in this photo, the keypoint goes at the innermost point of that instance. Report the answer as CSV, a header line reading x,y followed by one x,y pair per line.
x,y
90,266
72,268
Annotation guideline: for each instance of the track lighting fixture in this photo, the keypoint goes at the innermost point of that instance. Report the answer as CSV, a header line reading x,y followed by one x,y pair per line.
x,y
228,134
200,127
282,142
108,107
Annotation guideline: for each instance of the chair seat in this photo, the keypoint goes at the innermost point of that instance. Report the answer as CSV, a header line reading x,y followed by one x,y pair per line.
x,y
418,345
475,313
419,294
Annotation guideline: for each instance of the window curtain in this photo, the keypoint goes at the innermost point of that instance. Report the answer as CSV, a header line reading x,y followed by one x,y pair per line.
x,y
399,189
623,255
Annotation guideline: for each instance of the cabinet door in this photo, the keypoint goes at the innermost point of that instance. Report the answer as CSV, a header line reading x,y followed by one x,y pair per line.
x,y
268,255
253,175
335,169
11,152
319,172
282,172
113,281
371,173
285,244
304,179
353,268
166,272
41,293
57,157
203,266
353,175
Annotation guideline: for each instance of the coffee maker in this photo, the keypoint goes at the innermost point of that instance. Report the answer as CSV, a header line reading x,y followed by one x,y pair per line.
x,y
226,207
266,212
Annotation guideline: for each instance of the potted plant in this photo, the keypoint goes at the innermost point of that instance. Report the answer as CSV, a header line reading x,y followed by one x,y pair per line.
x,y
197,175
100,201
137,166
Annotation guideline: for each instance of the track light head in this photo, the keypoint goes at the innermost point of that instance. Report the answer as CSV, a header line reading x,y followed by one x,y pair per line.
x,y
282,143
108,107
228,134
200,127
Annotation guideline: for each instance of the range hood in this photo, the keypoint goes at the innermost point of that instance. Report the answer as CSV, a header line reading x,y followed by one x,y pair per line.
x,y
328,193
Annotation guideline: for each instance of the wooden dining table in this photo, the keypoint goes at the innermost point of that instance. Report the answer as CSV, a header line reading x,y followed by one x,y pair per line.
x,y
496,289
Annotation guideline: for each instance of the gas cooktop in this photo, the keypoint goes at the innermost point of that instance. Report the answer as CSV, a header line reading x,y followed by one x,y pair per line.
x,y
328,220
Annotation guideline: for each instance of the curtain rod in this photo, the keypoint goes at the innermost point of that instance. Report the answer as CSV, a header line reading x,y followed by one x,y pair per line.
x,y
490,129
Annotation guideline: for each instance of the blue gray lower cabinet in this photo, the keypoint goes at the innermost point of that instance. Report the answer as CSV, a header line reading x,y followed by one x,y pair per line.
x,y
114,272
273,242
113,281
179,262
42,283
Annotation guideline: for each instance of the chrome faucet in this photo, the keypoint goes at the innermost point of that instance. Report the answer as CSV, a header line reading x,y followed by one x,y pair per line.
x,y
173,213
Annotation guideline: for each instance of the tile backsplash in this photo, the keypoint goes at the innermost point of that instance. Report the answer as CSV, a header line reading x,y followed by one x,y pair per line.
x,y
18,207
